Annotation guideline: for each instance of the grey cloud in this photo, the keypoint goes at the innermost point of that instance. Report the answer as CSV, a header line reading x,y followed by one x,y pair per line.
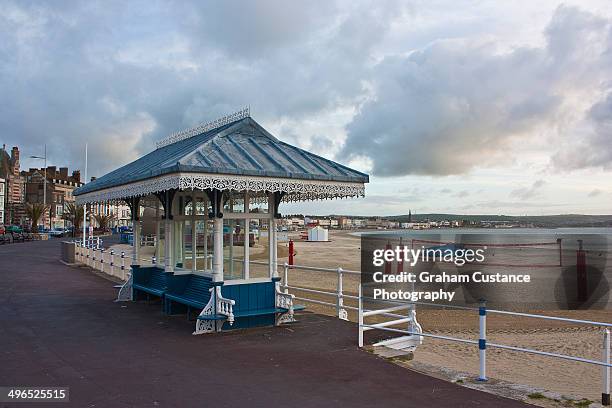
x,y
458,104
594,193
526,193
120,77
593,147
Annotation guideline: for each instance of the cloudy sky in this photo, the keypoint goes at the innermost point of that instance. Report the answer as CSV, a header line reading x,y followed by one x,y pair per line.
x,y
463,107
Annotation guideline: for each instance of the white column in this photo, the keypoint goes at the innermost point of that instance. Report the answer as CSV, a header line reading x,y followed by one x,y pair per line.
x,y
231,248
274,249
157,232
218,250
168,227
205,240
270,236
180,241
136,239
194,237
247,225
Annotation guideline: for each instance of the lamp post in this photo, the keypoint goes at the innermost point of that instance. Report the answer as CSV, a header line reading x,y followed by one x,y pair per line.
x,y
45,182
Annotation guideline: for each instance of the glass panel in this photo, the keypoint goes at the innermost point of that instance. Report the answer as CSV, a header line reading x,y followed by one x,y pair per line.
x,y
233,249
259,204
259,252
234,202
188,246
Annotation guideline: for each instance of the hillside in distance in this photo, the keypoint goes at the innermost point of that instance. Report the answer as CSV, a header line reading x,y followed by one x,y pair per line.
x,y
549,221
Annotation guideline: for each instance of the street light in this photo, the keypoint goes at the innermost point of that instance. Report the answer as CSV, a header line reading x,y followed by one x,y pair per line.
x,y
45,182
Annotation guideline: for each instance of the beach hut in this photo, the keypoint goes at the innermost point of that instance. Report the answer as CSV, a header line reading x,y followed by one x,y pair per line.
x,y
318,233
209,183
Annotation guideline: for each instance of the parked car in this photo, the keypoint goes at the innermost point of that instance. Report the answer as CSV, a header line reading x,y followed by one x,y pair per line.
x,y
14,229
57,232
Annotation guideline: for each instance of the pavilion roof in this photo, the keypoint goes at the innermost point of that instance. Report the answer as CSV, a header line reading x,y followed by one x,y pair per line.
x,y
240,155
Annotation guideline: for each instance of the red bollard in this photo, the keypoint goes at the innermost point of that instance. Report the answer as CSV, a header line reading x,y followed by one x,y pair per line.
x,y
291,253
581,274
388,264
400,262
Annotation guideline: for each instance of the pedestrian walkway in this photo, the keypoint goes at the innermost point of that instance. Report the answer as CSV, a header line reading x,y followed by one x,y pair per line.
x,y
60,327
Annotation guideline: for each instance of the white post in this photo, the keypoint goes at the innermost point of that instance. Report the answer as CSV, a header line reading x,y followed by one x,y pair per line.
x,y
157,231
136,242
122,265
275,249
181,235
340,299
286,277
218,249
231,248
168,266
205,240
247,236
112,262
102,259
194,238
360,318
605,392
482,342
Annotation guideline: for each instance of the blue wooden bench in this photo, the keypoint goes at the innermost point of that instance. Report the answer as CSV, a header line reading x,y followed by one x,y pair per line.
x,y
252,303
255,305
192,291
149,280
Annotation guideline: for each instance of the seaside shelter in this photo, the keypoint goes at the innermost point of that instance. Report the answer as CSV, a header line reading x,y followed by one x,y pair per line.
x,y
216,191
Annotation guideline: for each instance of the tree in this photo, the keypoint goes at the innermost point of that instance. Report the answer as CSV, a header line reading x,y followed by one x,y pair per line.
x,y
35,211
74,213
103,221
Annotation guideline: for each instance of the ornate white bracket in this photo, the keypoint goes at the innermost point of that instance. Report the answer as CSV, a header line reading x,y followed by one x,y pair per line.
x,y
125,291
217,305
285,301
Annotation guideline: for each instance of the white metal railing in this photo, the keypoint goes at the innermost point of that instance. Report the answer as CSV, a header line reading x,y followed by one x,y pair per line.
x,y
482,343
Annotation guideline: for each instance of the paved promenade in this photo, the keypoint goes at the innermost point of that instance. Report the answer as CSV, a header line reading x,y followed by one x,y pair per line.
x,y
59,326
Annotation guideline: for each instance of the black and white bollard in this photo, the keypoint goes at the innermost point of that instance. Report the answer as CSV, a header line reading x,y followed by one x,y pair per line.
x,y
482,341
112,262
605,354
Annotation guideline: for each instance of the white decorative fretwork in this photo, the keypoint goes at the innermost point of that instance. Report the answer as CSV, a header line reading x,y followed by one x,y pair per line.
x,y
204,127
295,189
125,291
285,301
219,305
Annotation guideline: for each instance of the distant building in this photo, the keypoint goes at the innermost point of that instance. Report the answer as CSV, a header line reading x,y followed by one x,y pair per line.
x,y
60,185
14,208
2,199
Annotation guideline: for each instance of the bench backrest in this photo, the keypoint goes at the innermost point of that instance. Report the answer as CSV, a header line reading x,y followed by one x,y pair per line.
x,y
250,296
191,286
152,277
198,287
